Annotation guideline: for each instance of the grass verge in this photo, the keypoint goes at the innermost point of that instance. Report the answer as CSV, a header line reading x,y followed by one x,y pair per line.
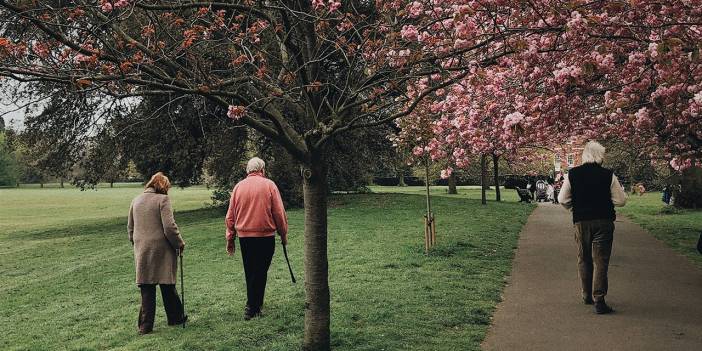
x,y
678,228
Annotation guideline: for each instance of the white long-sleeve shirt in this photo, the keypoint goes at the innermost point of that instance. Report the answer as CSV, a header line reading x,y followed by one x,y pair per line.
x,y
565,197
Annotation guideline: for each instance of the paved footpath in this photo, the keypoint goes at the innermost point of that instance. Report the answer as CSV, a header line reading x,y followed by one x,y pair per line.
x,y
657,293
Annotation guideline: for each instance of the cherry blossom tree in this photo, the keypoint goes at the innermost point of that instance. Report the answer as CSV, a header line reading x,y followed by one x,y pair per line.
x,y
598,69
625,69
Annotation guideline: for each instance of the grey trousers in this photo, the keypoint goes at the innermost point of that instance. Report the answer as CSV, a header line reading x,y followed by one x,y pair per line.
x,y
594,239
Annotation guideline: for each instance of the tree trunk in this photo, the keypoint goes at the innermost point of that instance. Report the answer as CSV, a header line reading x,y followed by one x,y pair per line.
x,y
112,184
496,172
61,181
41,185
402,178
317,336
483,178
452,184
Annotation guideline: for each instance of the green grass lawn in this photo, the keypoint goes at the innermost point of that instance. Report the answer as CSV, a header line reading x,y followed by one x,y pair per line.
x,y
68,275
467,192
32,208
680,229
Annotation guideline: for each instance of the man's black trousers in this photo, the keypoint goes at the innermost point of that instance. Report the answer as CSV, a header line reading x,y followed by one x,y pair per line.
x,y
257,254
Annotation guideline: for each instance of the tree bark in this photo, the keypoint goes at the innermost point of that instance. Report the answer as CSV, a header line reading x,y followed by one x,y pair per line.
x,y
402,178
452,184
496,171
112,184
483,179
61,181
317,318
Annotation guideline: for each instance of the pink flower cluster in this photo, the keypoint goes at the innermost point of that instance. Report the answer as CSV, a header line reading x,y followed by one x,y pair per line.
x,y
332,5
107,5
236,112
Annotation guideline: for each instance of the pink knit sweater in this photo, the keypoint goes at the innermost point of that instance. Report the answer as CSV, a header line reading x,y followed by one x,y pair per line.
x,y
256,209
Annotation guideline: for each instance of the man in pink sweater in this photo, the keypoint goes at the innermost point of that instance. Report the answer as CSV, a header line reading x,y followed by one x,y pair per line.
x,y
255,213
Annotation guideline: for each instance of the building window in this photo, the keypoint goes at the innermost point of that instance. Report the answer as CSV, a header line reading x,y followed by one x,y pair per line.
x,y
557,162
571,160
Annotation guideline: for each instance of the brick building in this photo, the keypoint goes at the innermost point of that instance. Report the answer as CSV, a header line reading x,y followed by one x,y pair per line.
x,y
568,155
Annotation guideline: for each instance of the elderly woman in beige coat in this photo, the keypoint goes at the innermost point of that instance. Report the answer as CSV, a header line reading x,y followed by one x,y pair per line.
x,y
155,238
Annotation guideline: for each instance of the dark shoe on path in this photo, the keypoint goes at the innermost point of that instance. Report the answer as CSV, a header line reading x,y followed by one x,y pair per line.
x,y
588,300
601,307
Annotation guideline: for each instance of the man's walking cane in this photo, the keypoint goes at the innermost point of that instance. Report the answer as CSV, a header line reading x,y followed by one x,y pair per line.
x,y
285,252
182,286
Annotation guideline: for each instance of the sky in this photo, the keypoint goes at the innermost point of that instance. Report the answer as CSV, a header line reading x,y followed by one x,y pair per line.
x,y
17,116
6,105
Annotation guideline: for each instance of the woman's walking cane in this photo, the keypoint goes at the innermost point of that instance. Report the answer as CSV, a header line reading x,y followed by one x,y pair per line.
x,y
182,286
285,252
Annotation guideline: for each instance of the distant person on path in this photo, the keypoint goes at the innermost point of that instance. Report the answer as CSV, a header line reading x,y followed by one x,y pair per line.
x,y
155,237
666,195
591,191
549,192
255,214
531,186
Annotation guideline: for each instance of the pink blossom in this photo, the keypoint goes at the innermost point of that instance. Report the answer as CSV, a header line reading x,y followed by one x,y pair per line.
x,y
334,5
409,33
79,58
318,4
121,3
698,98
680,165
236,112
418,151
653,50
41,49
415,9
465,29
106,6
576,21
445,173
512,119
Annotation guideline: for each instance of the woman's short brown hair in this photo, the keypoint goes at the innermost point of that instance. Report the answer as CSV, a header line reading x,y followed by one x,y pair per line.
x,y
160,183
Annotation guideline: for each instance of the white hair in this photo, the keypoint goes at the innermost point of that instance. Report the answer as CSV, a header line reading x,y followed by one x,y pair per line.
x,y
255,165
593,152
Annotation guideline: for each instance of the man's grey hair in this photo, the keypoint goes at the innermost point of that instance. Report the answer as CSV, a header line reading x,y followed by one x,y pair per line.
x,y
255,165
593,153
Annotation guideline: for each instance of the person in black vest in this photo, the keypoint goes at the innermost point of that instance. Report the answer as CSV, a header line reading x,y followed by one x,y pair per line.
x,y
591,191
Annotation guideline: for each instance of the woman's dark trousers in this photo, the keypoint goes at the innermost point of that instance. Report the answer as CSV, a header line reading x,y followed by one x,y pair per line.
x,y
257,254
171,302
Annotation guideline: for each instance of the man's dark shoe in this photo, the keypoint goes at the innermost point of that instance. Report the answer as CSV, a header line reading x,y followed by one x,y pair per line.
x,y
588,300
248,313
181,322
601,307
144,331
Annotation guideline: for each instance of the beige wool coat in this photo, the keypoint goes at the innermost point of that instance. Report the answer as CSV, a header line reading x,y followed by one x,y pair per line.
x,y
155,237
